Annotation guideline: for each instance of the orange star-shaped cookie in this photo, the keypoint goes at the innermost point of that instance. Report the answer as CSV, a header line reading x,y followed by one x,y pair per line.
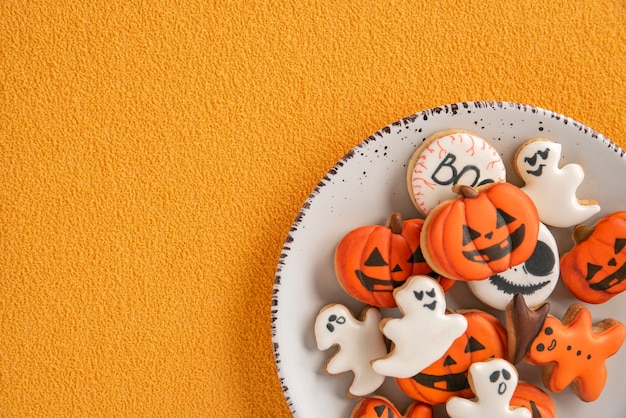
x,y
573,351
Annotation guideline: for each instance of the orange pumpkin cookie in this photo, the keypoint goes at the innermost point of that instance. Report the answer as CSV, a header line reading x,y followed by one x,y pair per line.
x,y
484,338
573,351
595,269
485,231
538,402
380,407
371,261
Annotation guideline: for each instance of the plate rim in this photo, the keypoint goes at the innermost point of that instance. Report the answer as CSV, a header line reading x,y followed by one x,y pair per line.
x,y
387,130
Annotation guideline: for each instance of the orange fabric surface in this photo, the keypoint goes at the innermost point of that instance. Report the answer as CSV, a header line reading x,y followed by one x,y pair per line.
x,y
154,154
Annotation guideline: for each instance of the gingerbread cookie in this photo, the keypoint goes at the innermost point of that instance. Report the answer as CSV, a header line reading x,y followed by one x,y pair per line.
x,y
553,189
448,158
572,350
484,338
482,232
534,279
373,260
494,383
423,306
380,407
359,341
595,269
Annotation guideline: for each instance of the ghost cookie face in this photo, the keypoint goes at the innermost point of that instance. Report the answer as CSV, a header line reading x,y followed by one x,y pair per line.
x,y
448,158
553,189
534,279
423,305
595,269
482,232
493,382
359,341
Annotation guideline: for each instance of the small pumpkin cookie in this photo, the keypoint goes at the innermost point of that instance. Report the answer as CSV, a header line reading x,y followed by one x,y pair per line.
x,y
484,338
359,341
373,260
537,401
553,189
482,232
448,158
380,407
595,269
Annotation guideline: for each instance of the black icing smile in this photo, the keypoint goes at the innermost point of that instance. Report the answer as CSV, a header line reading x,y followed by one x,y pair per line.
x,y
617,277
499,250
377,285
449,383
510,288
431,305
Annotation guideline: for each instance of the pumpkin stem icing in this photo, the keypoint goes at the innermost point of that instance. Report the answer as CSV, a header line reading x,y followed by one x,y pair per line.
x,y
395,223
465,191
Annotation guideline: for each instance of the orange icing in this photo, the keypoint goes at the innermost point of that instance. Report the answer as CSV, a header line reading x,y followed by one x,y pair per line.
x,y
472,238
574,351
379,407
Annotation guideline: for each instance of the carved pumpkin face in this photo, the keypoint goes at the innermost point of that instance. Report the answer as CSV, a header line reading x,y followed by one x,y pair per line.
x,y
595,270
483,232
371,261
538,402
379,407
484,338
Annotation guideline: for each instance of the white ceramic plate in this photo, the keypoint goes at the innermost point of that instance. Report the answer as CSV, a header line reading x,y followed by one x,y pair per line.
x,y
365,186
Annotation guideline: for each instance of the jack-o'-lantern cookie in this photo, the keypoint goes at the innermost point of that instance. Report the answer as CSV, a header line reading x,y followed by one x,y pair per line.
x,y
448,158
482,232
535,279
595,269
537,401
484,338
380,407
493,382
423,306
359,341
553,189
572,350
373,260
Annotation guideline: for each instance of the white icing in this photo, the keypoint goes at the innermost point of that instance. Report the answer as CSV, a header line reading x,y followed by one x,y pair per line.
x,y
424,333
456,158
552,189
359,341
535,279
493,383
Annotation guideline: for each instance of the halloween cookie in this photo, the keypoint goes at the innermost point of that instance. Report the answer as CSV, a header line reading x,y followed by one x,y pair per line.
x,y
534,279
484,338
380,407
423,306
359,341
372,260
553,189
493,382
482,232
572,350
595,269
448,158
538,402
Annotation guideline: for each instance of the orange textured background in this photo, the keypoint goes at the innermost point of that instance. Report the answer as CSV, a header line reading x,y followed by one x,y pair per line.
x,y
154,154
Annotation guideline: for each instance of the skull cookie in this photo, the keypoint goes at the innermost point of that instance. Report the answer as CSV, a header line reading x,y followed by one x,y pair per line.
x,y
535,279
493,382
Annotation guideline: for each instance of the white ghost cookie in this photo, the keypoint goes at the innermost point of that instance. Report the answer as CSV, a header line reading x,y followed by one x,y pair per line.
x,y
535,279
425,331
552,189
493,382
359,341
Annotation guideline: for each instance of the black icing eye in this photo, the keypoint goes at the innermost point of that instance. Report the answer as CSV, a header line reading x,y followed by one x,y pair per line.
x,y
493,377
431,293
418,295
469,234
549,331
541,347
541,262
619,245
375,259
473,345
503,218
506,374
592,269
417,257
